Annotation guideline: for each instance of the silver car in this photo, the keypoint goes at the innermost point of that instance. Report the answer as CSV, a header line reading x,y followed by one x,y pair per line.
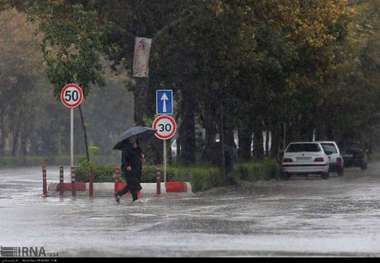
x,y
336,162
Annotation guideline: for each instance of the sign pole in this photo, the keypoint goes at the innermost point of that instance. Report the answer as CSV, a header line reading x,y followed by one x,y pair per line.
x,y
165,160
164,124
72,96
71,138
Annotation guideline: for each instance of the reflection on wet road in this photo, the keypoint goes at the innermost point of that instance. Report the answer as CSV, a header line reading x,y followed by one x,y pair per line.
x,y
302,216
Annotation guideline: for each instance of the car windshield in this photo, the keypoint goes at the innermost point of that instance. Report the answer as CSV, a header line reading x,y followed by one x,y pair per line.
x,y
329,148
303,147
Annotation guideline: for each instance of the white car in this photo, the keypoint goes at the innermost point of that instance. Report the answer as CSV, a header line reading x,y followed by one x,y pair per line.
x,y
335,157
305,158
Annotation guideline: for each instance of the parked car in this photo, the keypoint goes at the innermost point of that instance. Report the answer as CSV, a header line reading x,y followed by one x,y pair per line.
x,y
355,156
305,158
335,157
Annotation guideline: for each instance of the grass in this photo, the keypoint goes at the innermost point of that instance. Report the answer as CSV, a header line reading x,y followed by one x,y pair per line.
x,y
253,171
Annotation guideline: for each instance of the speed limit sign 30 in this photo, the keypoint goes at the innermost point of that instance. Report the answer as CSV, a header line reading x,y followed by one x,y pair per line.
x,y
72,95
165,127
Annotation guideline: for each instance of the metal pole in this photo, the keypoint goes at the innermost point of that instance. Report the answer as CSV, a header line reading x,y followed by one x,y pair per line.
x,y
71,137
44,181
158,180
61,186
165,161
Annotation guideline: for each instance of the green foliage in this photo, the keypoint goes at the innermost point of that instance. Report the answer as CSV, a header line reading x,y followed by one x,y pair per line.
x,y
201,177
102,173
254,171
71,42
93,150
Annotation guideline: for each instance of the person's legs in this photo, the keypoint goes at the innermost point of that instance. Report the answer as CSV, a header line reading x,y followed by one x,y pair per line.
x,y
134,196
134,186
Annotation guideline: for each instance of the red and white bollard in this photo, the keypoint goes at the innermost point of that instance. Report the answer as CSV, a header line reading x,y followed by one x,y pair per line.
x,y
73,188
91,185
44,181
158,180
61,186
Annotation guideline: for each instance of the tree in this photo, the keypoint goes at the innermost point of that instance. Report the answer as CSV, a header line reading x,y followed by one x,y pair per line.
x,y
20,64
72,41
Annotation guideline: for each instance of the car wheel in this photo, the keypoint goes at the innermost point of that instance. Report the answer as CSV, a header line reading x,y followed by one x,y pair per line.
x,y
325,175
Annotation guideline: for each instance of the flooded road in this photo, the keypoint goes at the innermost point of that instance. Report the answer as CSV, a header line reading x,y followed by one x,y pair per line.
x,y
299,217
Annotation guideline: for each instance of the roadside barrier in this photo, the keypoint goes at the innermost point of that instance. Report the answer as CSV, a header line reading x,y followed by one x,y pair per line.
x,y
175,187
61,187
68,187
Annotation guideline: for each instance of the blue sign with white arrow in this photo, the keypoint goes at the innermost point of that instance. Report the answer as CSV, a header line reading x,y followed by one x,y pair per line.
x,y
164,101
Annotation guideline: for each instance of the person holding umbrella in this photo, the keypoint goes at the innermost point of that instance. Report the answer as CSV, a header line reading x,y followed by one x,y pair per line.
x,y
130,167
131,159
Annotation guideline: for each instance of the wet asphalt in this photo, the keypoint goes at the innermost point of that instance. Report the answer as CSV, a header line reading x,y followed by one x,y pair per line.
x,y
305,216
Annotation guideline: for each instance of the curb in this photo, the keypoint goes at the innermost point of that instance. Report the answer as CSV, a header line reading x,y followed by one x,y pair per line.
x,y
147,188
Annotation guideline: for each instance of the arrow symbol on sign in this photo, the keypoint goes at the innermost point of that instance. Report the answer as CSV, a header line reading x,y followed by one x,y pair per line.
x,y
164,98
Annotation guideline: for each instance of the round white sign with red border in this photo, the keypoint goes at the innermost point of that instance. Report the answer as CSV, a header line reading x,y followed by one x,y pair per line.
x,y
72,95
165,127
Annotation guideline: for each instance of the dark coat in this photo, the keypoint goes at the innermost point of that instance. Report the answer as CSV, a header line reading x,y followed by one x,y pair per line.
x,y
131,157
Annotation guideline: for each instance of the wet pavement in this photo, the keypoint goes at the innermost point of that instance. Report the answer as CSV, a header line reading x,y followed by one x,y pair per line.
x,y
300,217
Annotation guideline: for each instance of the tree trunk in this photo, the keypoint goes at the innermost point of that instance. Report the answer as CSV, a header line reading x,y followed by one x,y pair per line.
x,y
23,146
276,139
2,134
140,95
84,133
222,142
209,125
258,143
267,139
187,129
291,131
245,136
16,136
284,135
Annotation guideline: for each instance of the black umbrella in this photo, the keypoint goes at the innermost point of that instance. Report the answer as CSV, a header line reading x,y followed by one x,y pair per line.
x,y
141,133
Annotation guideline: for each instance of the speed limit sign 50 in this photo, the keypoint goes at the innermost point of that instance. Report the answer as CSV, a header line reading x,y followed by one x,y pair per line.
x,y
165,127
72,95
